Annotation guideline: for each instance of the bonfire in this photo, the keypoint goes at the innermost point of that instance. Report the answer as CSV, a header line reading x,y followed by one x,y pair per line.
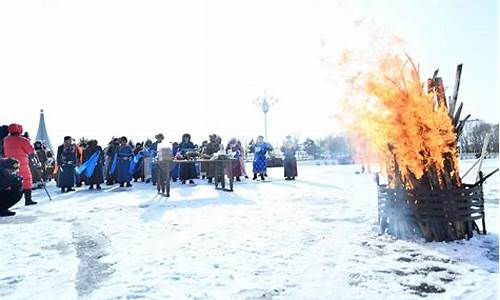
x,y
411,129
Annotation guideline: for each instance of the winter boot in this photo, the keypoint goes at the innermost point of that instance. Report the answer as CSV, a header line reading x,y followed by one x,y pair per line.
x,y
128,184
238,178
63,190
254,176
27,198
183,182
191,182
210,179
91,187
122,184
262,177
98,187
70,189
7,213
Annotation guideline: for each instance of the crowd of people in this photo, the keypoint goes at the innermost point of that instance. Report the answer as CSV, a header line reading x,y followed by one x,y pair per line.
x,y
25,166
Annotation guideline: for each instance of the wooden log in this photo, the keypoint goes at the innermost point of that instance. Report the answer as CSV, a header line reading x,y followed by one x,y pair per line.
x,y
453,100
440,92
461,125
456,118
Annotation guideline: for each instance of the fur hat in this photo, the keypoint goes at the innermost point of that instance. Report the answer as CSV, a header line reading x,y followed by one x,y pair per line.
x,y
9,163
159,136
186,135
15,129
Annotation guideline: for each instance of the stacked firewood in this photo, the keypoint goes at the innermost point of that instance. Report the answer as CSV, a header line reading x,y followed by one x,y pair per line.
x,y
435,178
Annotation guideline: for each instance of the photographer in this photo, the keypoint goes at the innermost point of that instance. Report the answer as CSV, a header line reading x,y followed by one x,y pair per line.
x,y
18,147
11,186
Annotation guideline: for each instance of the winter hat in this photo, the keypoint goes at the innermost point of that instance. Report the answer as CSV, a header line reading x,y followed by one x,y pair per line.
x,y
123,139
186,136
15,129
9,163
159,136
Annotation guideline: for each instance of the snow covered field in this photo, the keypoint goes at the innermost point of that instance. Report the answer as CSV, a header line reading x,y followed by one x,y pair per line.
x,y
315,238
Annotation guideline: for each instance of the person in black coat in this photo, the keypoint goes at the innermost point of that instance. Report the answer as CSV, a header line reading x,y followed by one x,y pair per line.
x,y
187,170
139,167
110,154
11,186
66,160
97,176
289,149
4,131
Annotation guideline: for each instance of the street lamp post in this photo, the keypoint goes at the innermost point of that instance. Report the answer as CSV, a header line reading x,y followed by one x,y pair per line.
x,y
265,102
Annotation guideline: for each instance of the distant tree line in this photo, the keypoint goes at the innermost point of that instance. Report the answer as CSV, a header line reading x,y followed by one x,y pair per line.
x,y
472,139
327,147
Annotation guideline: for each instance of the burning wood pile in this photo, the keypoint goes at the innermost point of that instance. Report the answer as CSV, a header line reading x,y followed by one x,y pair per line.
x,y
412,132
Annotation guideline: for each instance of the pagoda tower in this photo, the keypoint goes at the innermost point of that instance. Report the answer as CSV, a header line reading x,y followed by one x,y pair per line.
x,y
42,134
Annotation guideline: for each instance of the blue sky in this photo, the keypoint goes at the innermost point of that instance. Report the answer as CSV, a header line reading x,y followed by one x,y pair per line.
x,y
135,68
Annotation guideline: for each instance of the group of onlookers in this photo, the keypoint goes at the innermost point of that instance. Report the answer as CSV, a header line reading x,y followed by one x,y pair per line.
x,y
120,162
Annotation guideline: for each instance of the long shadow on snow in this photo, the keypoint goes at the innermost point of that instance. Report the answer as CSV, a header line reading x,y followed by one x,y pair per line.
x,y
154,209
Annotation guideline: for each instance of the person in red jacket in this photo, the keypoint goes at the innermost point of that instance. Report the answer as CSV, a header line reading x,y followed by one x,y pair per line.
x,y
18,147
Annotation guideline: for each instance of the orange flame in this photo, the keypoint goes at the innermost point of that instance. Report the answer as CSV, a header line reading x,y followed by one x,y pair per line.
x,y
399,125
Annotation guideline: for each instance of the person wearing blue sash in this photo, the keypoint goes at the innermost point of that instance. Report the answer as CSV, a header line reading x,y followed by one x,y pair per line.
x,y
139,167
123,155
174,172
94,157
66,160
111,160
259,161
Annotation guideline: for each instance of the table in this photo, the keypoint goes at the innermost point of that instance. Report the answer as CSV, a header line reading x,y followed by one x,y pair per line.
x,y
221,166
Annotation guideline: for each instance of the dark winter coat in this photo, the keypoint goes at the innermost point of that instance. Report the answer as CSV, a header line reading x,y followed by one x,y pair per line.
x,y
11,190
289,163
66,159
98,176
187,170
124,155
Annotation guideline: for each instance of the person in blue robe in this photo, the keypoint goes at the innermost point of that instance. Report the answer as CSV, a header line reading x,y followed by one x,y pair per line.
x,y
97,176
123,156
174,172
139,167
110,158
187,171
66,160
260,150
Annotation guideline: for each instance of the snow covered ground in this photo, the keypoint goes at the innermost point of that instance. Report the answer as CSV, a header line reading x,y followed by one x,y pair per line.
x,y
315,238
